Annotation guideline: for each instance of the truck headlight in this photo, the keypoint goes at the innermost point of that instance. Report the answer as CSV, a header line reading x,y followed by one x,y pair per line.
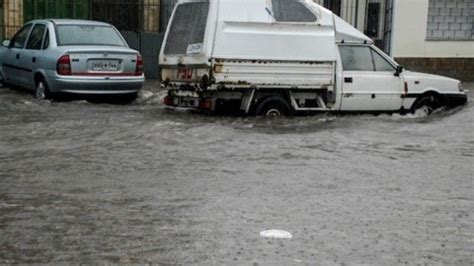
x,y
461,89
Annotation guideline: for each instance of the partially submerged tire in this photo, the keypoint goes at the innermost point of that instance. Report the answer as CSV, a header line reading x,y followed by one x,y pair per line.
x,y
428,104
42,91
273,107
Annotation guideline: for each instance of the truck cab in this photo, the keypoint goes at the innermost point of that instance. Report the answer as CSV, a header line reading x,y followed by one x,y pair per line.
x,y
279,57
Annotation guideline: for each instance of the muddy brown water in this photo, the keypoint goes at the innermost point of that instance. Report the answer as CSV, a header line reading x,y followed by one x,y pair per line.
x,y
88,182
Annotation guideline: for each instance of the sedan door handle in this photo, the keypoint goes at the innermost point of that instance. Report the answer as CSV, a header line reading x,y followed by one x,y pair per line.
x,y
17,56
348,80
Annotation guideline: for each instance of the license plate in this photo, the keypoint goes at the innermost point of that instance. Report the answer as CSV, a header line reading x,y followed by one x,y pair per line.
x,y
109,65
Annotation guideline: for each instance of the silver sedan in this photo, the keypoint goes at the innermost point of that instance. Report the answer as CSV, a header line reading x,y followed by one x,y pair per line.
x,y
71,56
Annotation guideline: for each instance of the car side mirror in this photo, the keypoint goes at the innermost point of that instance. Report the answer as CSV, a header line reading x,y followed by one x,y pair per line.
x,y
6,43
398,71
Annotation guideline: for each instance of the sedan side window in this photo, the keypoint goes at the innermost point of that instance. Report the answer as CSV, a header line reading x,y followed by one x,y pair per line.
x,y
20,38
46,40
356,58
36,37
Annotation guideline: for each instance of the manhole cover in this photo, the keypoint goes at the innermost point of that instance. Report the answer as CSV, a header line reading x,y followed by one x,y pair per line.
x,y
277,234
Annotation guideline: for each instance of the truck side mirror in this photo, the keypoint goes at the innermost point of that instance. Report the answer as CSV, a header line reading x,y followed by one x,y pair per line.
x,y
6,43
399,70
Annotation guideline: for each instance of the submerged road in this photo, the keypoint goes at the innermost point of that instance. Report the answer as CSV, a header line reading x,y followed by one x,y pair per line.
x,y
101,183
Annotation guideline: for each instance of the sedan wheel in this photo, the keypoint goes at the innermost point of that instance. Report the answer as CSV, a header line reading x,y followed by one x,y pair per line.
x,y
42,91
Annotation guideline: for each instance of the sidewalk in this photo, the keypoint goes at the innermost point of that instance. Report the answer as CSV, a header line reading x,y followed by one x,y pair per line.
x,y
152,85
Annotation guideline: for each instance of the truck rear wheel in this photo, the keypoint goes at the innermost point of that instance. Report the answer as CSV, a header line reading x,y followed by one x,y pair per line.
x,y
273,107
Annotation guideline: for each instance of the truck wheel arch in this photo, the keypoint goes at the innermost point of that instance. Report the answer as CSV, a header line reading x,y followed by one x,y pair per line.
x,y
436,98
39,77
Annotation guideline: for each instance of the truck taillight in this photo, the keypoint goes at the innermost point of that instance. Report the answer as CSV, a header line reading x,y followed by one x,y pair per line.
x,y
139,68
168,100
64,65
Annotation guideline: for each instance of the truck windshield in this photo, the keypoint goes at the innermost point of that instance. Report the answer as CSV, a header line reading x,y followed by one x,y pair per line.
x,y
88,35
186,34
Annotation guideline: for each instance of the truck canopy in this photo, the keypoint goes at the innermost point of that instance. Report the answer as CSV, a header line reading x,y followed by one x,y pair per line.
x,y
296,30
345,32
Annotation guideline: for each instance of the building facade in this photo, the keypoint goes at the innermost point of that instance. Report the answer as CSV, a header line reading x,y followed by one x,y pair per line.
x,y
142,22
131,15
372,17
14,13
434,36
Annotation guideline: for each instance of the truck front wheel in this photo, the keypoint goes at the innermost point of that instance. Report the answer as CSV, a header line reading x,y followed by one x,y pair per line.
x,y
273,107
428,104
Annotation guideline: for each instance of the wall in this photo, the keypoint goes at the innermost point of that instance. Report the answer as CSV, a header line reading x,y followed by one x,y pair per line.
x,y
409,34
13,17
412,48
75,9
450,20
18,12
151,15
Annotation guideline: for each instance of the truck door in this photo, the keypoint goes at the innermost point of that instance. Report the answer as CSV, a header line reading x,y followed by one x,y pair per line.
x,y
369,81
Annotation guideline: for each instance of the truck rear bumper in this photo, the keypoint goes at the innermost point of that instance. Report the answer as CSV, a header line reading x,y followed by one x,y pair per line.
x,y
188,99
180,101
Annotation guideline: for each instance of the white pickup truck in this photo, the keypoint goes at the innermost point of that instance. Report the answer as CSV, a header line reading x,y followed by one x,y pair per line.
x,y
283,57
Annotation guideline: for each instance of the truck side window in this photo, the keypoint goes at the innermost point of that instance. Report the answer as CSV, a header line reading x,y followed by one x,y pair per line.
x,y
356,58
380,63
292,11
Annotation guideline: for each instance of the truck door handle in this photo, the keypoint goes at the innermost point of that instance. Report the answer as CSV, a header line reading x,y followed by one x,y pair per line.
x,y
33,59
17,56
348,80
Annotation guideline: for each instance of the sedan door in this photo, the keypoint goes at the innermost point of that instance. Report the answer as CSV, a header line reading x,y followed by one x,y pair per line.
x,y
11,64
369,81
32,54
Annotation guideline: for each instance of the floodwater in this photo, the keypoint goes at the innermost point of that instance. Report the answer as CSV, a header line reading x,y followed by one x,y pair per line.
x,y
101,183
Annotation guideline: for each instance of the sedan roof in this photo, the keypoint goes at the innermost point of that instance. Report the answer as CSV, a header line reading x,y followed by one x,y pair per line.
x,y
75,22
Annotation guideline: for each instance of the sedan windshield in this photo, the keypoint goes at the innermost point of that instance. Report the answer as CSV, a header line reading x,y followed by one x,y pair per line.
x,y
88,35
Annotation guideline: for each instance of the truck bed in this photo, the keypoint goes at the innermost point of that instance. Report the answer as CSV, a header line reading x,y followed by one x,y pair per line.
x,y
274,74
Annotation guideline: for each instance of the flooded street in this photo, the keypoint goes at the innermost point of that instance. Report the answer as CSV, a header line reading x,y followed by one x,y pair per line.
x,y
101,183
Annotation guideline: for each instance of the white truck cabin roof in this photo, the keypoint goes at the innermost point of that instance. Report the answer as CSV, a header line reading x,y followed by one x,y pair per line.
x,y
267,30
